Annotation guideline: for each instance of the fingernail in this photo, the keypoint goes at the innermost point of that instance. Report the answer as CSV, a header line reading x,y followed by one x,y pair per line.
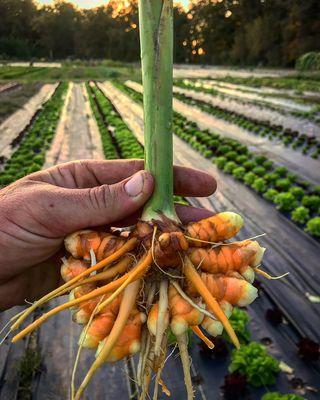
x,y
135,185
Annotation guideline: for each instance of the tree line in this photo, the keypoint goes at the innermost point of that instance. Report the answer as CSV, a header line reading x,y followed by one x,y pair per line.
x,y
238,32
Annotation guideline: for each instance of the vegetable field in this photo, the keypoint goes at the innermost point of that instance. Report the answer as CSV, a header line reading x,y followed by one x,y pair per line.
x,y
260,137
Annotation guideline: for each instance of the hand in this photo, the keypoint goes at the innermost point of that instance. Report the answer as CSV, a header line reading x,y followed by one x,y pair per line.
x,y
38,211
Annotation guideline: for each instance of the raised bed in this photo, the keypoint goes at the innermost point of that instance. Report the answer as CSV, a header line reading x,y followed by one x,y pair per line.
x,y
305,167
21,119
29,156
286,104
302,136
77,136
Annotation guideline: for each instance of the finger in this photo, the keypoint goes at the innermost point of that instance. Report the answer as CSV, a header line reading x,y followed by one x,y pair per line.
x,y
188,214
75,209
88,173
193,182
91,173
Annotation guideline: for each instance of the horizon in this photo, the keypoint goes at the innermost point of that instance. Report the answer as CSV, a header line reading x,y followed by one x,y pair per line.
x,y
87,4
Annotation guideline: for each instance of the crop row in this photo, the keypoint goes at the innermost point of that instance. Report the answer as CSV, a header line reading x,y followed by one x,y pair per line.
x,y
108,145
292,196
30,155
123,139
308,145
312,113
252,364
297,83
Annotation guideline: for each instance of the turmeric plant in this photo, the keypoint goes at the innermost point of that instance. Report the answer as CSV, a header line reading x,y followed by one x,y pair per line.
x,y
129,287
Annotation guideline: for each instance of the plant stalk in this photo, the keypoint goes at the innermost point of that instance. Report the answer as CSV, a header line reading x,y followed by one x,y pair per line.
x,y
156,38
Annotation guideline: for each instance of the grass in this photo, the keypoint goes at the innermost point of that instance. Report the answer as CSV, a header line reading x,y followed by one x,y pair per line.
x,y
14,99
67,72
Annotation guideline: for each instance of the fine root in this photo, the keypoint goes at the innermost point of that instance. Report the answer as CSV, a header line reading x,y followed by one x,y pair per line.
x,y
80,347
120,284
183,348
193,276
267,276
197,331
65,288
162,321
127,304
191,302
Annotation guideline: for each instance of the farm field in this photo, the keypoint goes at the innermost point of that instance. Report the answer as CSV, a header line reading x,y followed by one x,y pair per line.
x,y
259,135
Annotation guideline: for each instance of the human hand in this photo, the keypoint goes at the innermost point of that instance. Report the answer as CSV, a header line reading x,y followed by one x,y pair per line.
x,y
39,210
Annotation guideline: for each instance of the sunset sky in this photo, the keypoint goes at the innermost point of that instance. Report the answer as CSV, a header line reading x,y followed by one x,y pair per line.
x,y
96,3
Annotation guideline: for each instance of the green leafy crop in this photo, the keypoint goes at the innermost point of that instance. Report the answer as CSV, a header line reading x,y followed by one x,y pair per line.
x,y
300,215
285,201
253,361
239,320
279,396
313,226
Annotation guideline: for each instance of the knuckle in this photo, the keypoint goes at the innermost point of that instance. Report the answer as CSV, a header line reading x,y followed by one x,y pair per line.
x,y
102,197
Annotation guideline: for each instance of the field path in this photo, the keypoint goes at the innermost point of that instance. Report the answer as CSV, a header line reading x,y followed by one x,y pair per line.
x,y
289,248
17,122
77,135
306,167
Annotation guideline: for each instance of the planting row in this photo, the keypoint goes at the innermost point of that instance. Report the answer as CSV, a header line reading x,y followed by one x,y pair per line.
x,y
296,198
282,103
35,141
297,83
117,139
108,145
308,145
251,366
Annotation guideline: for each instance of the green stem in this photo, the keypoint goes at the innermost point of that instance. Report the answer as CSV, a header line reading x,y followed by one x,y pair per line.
x,y
156,37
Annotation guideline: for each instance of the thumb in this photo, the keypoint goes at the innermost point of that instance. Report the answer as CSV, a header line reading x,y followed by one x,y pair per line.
x,y
104,204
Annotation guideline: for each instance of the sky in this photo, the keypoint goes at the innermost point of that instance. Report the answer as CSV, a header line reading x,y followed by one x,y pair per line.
x,y
95,3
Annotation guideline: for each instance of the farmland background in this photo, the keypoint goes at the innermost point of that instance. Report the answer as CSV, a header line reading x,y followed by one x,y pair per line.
x,y
241,32
246,101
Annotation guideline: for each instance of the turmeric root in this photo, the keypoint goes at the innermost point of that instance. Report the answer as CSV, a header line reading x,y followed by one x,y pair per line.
x,y
217,228
83,311
182,313
101,324
237,292
129,341
231,257
79,243
71,268
214,327
161,275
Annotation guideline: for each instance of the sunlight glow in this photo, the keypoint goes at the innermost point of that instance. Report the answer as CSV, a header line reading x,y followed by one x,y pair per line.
x,y
97,3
